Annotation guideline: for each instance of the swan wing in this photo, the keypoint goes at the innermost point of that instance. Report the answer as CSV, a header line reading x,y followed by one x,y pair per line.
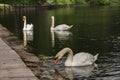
x,y
82,59
63,27
29,26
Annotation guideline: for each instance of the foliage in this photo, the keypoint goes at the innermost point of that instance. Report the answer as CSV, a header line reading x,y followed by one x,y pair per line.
x,y
99,2
50,1
4,5
80,1
59,2
115,0
103,2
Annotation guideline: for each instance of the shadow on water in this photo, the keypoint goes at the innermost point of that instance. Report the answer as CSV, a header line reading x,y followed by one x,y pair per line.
x,y
95,30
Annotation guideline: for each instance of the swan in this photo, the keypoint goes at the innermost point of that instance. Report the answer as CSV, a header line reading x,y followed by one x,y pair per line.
x,y
27,26
79,59
60,27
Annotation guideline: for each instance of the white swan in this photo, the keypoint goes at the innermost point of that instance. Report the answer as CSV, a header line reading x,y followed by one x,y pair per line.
x,y
27,26
59,27
79,59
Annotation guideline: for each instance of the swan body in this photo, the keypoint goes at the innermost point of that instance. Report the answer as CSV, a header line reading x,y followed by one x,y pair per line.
x,y
61,27
27,26
79,59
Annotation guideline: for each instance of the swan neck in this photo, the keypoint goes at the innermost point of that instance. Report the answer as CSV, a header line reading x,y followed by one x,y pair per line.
x,y
53,22
25,23
69,59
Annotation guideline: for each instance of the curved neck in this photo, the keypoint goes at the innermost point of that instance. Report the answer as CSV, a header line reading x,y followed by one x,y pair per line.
x,y
53,22
69,59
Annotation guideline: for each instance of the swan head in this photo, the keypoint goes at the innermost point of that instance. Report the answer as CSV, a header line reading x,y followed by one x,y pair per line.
x,y
24,18
57,58
61,53
52,17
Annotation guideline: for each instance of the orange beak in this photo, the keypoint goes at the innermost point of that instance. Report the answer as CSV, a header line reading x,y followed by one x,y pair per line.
x,y
56,61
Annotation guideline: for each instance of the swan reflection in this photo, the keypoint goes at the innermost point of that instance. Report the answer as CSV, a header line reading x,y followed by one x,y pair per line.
x,y
75,72
27,36
61,35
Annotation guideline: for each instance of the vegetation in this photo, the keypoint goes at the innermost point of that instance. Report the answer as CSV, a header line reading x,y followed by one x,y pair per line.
x,y
60,2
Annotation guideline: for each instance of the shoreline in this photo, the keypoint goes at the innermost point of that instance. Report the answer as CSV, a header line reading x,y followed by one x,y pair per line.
x,y
30,60
51,6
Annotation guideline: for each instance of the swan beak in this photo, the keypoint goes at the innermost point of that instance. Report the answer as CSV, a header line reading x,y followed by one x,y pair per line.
x,y
56,60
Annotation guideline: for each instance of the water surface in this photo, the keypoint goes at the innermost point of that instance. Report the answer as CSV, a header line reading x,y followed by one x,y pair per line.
x,y
95,30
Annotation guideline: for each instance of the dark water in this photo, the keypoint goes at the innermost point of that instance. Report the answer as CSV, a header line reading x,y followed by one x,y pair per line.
x,y
95,30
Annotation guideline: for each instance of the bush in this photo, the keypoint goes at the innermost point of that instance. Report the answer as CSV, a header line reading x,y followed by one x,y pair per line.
x,y
99,2
104,2
80,1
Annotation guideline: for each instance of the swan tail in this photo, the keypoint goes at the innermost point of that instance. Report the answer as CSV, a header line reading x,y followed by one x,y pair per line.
x,y
96,56
71,26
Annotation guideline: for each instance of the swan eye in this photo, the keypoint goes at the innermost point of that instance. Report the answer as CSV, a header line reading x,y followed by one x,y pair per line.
x,y
56,58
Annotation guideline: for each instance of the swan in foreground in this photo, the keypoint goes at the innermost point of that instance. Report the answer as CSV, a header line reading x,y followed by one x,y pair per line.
x,y
79,59
59,27
27,26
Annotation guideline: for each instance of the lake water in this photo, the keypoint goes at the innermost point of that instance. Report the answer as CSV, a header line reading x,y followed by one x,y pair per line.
x,y
95,30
